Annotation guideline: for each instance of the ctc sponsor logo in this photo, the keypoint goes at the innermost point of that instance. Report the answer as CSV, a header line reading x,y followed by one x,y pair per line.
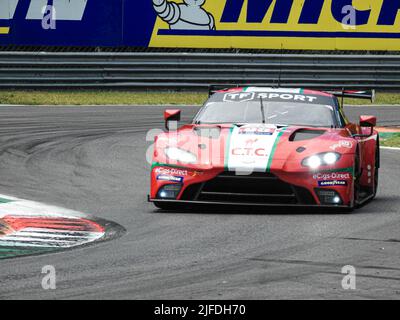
x,y
259,152
249,150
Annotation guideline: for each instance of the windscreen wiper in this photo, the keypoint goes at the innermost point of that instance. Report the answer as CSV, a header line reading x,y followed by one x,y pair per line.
x,y
262,110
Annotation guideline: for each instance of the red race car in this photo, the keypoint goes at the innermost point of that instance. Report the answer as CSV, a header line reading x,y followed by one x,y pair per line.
x,y
267,147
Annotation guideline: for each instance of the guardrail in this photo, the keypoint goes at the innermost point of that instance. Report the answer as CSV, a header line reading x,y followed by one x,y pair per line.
x,y
196,70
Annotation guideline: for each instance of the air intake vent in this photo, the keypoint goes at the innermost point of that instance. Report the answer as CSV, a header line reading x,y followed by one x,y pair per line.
x,y
306,134
255,188
208,132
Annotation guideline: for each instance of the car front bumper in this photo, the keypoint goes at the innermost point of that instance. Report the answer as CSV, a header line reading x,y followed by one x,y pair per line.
x,y
244,204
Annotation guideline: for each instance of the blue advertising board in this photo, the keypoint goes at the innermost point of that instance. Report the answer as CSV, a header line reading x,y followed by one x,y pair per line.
x,y
76,22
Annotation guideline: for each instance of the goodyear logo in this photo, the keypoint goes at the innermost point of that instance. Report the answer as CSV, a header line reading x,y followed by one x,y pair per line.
x,y
278,24
332,183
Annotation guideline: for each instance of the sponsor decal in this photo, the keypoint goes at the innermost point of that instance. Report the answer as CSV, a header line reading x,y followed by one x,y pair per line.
x,y
257,131
277,24
239,97
332,176
251,147
163,177
332,179
284,96
196,173
342,144
259,152
189,15
171,171
332,183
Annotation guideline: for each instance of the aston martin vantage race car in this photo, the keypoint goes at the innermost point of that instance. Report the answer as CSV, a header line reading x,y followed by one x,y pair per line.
x,y
267,147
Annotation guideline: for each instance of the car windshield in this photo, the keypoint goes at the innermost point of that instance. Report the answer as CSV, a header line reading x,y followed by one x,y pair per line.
x,y
285,113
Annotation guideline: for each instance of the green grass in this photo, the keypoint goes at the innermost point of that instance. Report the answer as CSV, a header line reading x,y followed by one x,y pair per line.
x,y
117,97
97,97
392,140
381,98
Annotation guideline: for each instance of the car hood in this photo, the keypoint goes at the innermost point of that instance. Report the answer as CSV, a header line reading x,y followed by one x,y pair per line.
x,y
252,146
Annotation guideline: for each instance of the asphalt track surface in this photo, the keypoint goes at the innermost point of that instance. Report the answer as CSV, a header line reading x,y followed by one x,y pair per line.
x,y
92,159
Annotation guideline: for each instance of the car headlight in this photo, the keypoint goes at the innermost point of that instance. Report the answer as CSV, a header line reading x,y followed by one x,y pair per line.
x,y
322,159
169,191
180,155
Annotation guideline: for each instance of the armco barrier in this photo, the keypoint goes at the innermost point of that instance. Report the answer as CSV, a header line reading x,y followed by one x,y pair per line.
x,y
196,70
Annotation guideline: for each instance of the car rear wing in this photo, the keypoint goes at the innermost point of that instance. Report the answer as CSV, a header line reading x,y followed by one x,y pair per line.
x,y
360,94
215,88
367,94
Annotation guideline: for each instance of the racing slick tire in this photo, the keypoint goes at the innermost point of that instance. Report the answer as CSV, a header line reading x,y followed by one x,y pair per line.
x,y
357,176
377,166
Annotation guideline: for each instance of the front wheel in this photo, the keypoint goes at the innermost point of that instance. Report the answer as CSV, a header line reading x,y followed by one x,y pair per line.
x,y
357,176
376,170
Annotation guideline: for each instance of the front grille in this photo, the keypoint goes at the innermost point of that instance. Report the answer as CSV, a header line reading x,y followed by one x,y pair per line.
x,y
255,188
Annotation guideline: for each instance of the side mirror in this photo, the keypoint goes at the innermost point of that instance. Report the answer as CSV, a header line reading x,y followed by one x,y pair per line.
x,y
171,115
368,121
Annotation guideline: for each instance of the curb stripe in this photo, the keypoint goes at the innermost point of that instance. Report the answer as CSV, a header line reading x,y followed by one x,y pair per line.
x,y
31,228
4,200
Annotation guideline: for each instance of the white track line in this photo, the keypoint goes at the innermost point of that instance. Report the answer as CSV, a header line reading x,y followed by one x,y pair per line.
x,y
390,148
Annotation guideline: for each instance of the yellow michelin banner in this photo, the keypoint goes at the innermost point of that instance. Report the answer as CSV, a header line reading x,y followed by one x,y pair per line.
x,y
278,24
